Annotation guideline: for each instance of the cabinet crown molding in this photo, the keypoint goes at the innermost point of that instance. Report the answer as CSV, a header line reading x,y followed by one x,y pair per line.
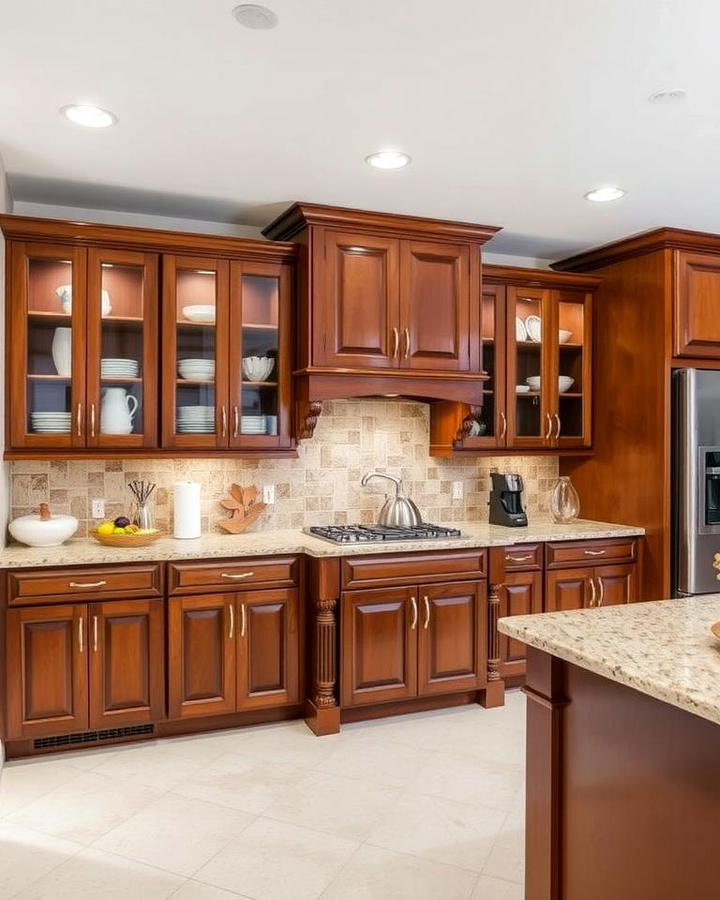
x,y
542,278
639,245
300,215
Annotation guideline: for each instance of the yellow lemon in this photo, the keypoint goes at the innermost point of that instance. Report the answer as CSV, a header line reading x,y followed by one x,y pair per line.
x,y
105,528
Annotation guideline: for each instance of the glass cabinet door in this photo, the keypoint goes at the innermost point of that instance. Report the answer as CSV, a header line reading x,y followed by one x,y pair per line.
x,y
571,417
259,356
195,396
46,402
121,356
529,390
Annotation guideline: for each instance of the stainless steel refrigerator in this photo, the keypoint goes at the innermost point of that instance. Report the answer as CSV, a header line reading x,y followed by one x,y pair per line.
x,y
696,481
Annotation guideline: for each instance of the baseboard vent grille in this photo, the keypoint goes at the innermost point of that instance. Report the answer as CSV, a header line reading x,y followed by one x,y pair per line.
x,y
91,737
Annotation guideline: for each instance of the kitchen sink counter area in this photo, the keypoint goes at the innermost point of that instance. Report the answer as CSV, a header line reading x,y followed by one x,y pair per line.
x,y
85,551
622,743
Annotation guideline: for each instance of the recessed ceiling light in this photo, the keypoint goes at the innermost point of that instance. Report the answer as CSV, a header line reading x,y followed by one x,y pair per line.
x,y
252,15
89,116
605,194
668,95
388,159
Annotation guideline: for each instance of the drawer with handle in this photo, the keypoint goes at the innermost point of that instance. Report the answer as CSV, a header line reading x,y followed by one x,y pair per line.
x,y
233,575
523,557
26,587
583,553
399,569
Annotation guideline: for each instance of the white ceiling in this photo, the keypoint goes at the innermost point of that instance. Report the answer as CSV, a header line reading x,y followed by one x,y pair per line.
x,y
511,110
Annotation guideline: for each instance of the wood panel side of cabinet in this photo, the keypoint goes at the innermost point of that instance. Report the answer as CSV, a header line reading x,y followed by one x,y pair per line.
x,y
696,304
126,650
202,651
46,670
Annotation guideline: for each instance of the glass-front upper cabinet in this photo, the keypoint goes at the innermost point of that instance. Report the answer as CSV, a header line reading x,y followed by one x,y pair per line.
x,y
529,363
259,355
46,346
195,392
573,365
122,360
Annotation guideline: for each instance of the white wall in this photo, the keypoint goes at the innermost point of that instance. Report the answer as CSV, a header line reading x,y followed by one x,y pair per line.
x,y
5,206
139,220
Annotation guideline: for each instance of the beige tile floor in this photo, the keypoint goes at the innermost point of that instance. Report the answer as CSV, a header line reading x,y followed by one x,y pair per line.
x,y
421,807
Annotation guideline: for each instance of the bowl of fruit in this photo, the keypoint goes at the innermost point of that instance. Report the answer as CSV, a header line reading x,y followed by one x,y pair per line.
x,y
123,533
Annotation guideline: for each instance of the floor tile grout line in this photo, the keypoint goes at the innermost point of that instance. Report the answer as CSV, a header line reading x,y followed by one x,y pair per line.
x,y
52,868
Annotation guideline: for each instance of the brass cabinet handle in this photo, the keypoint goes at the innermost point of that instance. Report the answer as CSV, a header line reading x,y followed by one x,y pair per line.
x,y
415,614
396,343
601,586
81,642
594,552
407,344
236,428
549,427
79,420
95,632
592,586
86,584
504,425
559,426
243,621
92,420
519,558
223,413
232,575
427,612
232,621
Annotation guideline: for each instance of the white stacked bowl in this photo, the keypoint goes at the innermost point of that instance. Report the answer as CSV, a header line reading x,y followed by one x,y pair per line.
x,y
197,369
257,368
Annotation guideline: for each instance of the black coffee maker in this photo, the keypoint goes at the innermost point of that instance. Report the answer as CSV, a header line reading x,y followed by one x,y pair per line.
x,y
506,500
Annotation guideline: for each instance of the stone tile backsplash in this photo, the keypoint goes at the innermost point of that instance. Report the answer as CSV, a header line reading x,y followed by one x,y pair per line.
x,y
322,485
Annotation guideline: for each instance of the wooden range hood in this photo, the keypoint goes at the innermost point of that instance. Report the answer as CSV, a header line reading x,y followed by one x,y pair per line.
x,y
388,305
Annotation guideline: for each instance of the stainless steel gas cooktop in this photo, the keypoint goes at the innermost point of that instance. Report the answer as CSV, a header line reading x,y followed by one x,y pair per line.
x,y
365,534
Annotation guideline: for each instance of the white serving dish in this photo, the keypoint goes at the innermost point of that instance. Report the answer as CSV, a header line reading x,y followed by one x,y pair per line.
x,y
200,313
520,330
565,382
534,328
36,532
257,368
522,388
564,336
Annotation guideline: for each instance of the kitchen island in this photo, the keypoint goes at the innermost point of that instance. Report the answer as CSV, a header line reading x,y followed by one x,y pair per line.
x,y
623,771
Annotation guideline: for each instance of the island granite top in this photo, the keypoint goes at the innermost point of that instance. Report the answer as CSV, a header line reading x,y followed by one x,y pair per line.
x,y
216,545
662,648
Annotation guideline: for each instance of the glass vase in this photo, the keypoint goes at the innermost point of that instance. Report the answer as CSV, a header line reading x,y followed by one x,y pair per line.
x,y
564,501
142,516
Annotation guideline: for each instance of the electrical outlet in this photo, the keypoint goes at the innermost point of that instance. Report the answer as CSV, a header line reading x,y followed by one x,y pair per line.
x,y
268,493
98,509
457,490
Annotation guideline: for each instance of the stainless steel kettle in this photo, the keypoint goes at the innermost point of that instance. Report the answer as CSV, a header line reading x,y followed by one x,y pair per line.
x,y
397,510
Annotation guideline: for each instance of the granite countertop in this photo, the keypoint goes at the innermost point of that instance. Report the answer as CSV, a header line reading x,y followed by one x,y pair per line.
x,y
663,648
86,551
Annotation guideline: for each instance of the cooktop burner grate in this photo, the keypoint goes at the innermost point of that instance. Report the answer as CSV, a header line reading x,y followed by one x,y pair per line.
x,y
365,534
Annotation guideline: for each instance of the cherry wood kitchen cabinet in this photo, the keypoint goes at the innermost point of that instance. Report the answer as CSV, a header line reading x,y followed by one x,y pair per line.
x,y
697,300
522,595
86,373
534,324
567,589
77,666
230,652
405,642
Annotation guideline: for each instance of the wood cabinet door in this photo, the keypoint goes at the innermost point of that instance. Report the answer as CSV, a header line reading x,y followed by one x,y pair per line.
x,y
435,307
697,300
45,346
379,641
47,670
570,345
355,310
268,656
201,655
127,662
122,348
196,343
522,594
568,589
616,584
452,637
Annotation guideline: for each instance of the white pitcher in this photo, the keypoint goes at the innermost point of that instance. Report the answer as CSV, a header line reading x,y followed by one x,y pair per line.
x,y
117,411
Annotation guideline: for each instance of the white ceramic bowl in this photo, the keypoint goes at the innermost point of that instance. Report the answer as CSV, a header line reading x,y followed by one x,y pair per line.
x,y
257,368
564,336
565,382
199,313
35,532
